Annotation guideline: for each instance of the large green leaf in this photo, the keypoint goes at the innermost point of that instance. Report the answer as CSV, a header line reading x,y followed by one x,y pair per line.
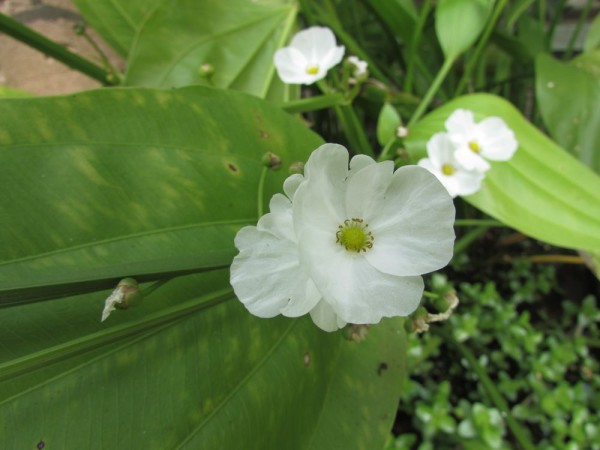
x,y
192,373
109,183
568,95
458,23
542,191
116,20
237,38
127,182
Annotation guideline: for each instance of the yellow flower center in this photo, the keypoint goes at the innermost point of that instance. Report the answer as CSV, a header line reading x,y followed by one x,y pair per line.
x,y
474,146
312,70
354,236
447,169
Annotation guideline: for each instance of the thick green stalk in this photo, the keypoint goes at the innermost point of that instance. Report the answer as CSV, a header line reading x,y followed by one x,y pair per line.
x,y
582,19
478,223
435,86
413,58
481,44
314,103
517,430
32,38
464,242
353,130
261,192
351,126
559,9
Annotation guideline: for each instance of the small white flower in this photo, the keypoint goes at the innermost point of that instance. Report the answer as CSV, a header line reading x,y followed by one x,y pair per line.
x,y
310,55
360,66
475,142
443,164
347,244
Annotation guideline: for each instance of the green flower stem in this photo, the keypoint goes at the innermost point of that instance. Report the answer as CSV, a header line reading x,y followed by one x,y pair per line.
x,y
111,336
413,56
435,86
261,192
354,131
386,149
113,72
431,295
351,125
582,19
464,242
559,9
481,45
32,38
478,222
517,430
314,103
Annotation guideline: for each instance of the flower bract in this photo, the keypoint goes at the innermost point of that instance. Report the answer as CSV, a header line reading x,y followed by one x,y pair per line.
x,y
490,139
347,243
311,53
443,164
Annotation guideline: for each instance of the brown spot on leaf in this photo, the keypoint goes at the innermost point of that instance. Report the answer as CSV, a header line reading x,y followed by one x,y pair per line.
x,y
232,167
381,368
263,134
307,359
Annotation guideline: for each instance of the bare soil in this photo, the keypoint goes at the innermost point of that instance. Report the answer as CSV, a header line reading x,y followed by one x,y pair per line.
x,y
25,68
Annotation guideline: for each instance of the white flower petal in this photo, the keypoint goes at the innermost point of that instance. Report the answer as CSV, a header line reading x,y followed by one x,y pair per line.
x,y
266,274
320,200
413,232
440,149
449,183
291,183
325,317
280,224
314,42
279,203
467,183
357,291
328,162
366,188
291,65
359,162
471,160
331,59
498,142
461,122
301,304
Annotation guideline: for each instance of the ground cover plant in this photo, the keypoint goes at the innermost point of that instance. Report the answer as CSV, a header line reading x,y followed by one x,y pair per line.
x,y
314,225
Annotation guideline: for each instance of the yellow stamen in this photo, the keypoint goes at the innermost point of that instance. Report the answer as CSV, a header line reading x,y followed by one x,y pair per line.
x,y
474,146
354,236
447,169
312,70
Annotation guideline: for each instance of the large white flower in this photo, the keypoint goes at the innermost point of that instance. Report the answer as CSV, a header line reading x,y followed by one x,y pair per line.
x,y
310,55
443,164
347,244
475,142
